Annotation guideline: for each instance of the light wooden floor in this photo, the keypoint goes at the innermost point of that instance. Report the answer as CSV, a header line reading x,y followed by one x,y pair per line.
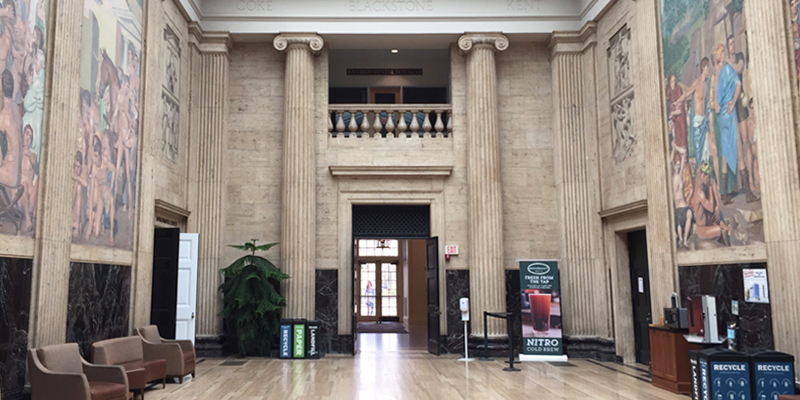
x,y
394,367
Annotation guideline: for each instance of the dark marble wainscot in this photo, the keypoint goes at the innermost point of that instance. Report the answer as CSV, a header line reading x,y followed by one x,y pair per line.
x,y
726,283
457,286
15,302
327,306
99,299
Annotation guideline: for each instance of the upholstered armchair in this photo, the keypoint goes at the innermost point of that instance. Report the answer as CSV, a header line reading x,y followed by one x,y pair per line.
x,y
59,372
179,354
128,353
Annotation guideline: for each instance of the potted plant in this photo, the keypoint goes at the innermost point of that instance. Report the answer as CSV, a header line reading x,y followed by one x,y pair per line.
x,y
251,303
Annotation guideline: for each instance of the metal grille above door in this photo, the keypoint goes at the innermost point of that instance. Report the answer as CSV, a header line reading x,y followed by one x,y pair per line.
x,y
391,222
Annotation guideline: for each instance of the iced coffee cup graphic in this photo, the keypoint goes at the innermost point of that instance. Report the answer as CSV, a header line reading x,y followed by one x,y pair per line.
x,y
540,312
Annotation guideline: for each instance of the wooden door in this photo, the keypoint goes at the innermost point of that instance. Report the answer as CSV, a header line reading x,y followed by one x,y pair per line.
x,y
165,281
640,294
384,95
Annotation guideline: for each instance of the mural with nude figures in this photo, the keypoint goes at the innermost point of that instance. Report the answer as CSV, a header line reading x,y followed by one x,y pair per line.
x,y
23,29
105,163
712,129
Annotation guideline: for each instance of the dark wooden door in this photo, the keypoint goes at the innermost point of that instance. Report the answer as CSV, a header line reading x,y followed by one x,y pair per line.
x,y
432,288
640,294
165,281
354,298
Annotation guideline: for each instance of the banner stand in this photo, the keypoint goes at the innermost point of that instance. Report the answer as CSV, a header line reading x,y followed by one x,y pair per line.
x,y
540,293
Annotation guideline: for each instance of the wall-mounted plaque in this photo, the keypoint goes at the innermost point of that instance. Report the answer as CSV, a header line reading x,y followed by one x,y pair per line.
x,y
384,71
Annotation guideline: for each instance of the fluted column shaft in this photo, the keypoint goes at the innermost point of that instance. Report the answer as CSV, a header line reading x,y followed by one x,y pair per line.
x,y
51,269
648,81
209,122
583,278
775,113
298,200
485,200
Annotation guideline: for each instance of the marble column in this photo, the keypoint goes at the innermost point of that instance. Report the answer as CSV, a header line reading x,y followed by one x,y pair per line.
x,y
774,86
584,280
648,80
298,200
209,115
52,251
485,199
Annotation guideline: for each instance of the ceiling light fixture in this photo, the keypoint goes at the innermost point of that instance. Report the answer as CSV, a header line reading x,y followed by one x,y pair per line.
x,y
395,51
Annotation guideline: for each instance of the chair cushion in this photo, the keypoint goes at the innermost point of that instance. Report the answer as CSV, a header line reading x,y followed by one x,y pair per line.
x,y
106,390
150,333
155,369
117,351
188,356
61,358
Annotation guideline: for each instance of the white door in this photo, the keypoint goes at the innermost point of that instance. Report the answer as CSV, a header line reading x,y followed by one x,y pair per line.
x,y
187,287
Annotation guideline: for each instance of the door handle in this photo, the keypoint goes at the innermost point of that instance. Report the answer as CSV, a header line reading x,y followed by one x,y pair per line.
x,y
192,315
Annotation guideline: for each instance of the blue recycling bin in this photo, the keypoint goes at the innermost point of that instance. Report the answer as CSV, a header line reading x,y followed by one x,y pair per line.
x,y
772,375
724,375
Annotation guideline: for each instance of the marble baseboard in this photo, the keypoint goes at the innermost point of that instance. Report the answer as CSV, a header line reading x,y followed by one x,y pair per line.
x,y
726,283
342,344
327,307
98,305
15,304
210,346
457,286
589,347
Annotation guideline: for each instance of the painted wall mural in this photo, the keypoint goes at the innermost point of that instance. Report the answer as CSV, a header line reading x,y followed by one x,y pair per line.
x,y
712,129
105,164
23,29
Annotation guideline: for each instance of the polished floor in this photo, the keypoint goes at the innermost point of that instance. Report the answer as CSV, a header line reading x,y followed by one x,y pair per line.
x,y
396,367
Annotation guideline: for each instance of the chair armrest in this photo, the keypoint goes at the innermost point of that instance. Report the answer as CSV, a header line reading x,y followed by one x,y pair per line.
x,y
46,384
106,373
168,351
186,345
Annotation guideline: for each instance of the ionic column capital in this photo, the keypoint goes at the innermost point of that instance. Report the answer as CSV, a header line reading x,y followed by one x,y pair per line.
x,y
310,40
470,39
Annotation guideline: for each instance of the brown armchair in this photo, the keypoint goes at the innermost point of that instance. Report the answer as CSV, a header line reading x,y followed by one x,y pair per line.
x,y
179,354
128,353
59,372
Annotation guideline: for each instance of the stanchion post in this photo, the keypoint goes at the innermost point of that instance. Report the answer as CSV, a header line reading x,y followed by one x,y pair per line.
x,y
510,367
485,356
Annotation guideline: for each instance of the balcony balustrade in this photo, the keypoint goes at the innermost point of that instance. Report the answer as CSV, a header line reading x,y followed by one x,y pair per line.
x,y
390,120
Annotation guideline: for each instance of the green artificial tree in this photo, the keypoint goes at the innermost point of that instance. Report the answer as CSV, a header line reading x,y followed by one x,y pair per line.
x,y
251,302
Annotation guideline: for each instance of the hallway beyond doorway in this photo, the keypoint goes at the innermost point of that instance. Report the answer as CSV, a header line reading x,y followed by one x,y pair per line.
x,y
414,341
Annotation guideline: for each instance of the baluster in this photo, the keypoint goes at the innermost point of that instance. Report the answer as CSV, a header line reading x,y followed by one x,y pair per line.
x,y
352,126
401,126
439,124
339,124
390,124
414,123
365,123
426,124
449,128
377,126
330,125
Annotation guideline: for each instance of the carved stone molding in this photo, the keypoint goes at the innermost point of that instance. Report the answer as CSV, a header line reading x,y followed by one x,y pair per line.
x,y
312,40
209,42
470,39
573,42
408,172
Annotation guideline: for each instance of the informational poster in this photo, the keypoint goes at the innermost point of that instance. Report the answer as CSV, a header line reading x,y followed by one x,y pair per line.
x,y
756,288
541,311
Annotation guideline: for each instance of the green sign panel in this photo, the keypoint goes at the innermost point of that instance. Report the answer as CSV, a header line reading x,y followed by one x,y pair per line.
x,y
541,308
299,343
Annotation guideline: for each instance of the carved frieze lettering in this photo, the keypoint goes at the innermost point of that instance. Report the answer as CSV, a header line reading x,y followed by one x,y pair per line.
x,y
254,5
523,5
391,6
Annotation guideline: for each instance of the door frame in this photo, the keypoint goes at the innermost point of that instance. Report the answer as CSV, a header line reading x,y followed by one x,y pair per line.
x,y
398,261
396,90
345,229
615,238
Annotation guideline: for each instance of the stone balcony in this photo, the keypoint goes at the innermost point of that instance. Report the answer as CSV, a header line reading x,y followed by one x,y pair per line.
x,y
389,121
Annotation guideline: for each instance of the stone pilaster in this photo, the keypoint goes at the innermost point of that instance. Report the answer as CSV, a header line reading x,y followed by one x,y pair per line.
x,y
485,200
298,200
776,132
209,116
648,81
583,276
142,279
52,252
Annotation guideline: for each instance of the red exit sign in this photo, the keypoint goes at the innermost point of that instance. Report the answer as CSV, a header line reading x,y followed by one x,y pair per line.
x,y
451,250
